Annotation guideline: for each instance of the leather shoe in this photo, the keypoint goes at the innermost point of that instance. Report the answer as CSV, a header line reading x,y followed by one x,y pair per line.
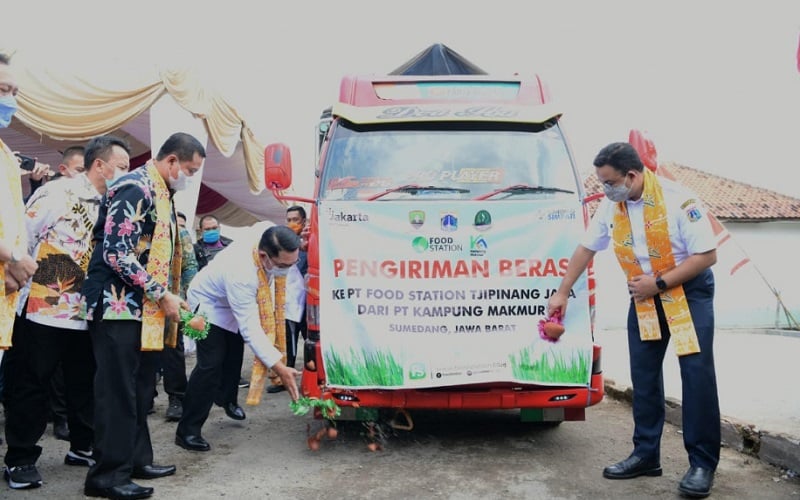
x,y
631,467
153,471
275,389
234,411
697,482
192,443
128,491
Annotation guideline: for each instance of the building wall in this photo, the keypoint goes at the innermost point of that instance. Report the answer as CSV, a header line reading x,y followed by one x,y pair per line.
x,y
743,299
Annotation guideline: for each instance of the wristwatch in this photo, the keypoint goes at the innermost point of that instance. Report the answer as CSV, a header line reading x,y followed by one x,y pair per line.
x,y
661,284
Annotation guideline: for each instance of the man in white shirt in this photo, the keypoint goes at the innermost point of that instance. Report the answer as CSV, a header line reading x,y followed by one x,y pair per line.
x,y
226,291
49,329
666,246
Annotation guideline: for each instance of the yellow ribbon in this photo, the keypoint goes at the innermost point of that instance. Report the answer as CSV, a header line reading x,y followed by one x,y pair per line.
x,y
163,262
659,248
8,303
274,325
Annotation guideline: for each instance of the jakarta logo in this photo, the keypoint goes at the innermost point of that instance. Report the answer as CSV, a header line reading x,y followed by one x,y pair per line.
x,y
483,220
416,218
420,244
449,221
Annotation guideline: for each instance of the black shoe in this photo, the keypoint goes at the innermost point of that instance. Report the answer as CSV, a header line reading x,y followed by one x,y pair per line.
x,y
631,467
697,482
234,411
128,491
153,471
275,389
80,458
60,429
243,383
174,410
23,477
192,443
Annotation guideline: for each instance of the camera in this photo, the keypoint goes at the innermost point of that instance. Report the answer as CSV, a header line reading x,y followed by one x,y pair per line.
x,y
27,163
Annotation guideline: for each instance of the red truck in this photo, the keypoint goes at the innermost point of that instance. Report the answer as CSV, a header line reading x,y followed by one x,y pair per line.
x,y
445,209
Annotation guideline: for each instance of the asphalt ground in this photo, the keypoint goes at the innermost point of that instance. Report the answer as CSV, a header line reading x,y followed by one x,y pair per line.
x,y
756,375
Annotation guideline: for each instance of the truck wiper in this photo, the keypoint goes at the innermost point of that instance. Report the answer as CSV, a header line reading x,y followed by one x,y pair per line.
x,y
416,188
522,189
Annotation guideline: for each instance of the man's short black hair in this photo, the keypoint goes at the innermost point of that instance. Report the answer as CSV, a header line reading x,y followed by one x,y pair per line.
x,y
100,147
182,145
278,238
298,209
72,151
205,218
622,156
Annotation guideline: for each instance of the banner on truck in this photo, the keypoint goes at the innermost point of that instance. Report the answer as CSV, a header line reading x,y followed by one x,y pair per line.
x,y
418,294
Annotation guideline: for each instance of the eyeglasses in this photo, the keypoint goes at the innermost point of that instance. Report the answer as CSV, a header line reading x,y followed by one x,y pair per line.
x,y
281,265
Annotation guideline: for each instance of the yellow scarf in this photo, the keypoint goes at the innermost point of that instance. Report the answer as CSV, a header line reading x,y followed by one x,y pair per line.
x,y
273,322
165,249
8,303
659,249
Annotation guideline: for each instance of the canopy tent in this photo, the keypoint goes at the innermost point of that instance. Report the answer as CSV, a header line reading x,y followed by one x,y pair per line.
x,y
60,107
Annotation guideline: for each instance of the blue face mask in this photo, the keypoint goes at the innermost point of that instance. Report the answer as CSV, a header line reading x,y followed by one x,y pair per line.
x,y
211,236
8,106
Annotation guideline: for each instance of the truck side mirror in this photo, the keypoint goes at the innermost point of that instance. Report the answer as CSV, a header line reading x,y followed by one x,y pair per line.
x,y
277,166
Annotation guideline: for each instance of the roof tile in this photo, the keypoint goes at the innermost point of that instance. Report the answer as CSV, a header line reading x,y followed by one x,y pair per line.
x,y
725,198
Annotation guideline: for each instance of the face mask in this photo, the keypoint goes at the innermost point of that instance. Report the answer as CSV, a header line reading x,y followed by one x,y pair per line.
x,y
117,174
8,106
180,183
296,227
211,236
618,193
279,271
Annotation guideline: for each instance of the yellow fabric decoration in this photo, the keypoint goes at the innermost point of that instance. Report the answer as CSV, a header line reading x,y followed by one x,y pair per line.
x,y
676,308
164,249
8,221
71,106
274,325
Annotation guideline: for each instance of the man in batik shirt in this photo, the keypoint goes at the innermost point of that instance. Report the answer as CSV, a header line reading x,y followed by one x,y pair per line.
x,y
130,292
48,329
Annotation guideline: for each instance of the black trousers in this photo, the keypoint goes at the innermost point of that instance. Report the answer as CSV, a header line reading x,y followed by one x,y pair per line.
x,y
700,402
36,352
123,392
293,332
218,356
58,394
173,364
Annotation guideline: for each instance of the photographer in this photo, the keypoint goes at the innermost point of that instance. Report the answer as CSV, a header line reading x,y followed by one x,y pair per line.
x,y
37,172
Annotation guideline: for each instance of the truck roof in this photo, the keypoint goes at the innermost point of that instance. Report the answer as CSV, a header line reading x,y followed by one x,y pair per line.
x,y
368,99
376,90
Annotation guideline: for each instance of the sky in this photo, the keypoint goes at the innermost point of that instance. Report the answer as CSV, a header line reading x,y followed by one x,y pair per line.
x,y
714,84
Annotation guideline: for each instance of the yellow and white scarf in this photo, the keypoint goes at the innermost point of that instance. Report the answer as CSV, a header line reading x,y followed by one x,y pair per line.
x,y
165,249
11,224
273,322
659,248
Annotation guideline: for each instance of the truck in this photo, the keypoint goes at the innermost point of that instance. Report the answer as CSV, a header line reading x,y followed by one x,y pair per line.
x,y
444,212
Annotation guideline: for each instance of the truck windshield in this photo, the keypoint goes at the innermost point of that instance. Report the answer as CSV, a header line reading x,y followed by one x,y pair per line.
x,y
458,161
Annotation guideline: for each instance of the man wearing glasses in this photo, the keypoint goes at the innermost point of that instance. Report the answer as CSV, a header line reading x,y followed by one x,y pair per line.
x,y
227,291
49,330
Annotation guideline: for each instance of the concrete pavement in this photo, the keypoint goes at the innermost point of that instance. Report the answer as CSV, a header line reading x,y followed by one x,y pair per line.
x,y
756,375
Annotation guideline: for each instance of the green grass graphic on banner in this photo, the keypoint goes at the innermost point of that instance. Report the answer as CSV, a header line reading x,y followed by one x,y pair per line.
x,y
367,368
550,367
